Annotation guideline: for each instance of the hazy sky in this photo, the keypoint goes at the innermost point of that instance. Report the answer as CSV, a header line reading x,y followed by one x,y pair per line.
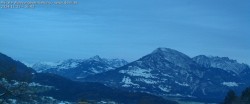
x,y
127,29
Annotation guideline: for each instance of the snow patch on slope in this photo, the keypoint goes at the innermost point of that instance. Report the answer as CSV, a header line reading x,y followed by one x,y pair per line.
x,y
181,84
230,84
165,89
148,81
127,82
136,71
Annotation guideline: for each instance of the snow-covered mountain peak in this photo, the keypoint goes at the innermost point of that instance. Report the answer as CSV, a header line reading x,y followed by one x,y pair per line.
x,y
165,50
96,58
173,56
77,69
70,63
41,66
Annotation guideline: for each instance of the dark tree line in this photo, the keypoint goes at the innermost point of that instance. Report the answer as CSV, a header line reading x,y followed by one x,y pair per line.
x,y
14,90
232,98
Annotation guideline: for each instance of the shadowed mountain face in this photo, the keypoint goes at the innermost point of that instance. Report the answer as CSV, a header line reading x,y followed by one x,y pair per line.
x,y
12,69
167,72
66,89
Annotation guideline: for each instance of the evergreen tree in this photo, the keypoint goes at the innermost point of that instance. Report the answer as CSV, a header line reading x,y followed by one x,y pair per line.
x,y
230,98
245,96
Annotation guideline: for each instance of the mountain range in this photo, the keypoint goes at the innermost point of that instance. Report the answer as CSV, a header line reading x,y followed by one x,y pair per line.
x,y
164,72
67,90
77,69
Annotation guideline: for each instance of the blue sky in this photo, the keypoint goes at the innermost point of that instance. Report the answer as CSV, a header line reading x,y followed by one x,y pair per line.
x,y
127,29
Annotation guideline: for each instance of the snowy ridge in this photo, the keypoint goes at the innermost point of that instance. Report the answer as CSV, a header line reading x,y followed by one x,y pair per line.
x,y
230,84
42,66
69,64
127,82
222,63
77,69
